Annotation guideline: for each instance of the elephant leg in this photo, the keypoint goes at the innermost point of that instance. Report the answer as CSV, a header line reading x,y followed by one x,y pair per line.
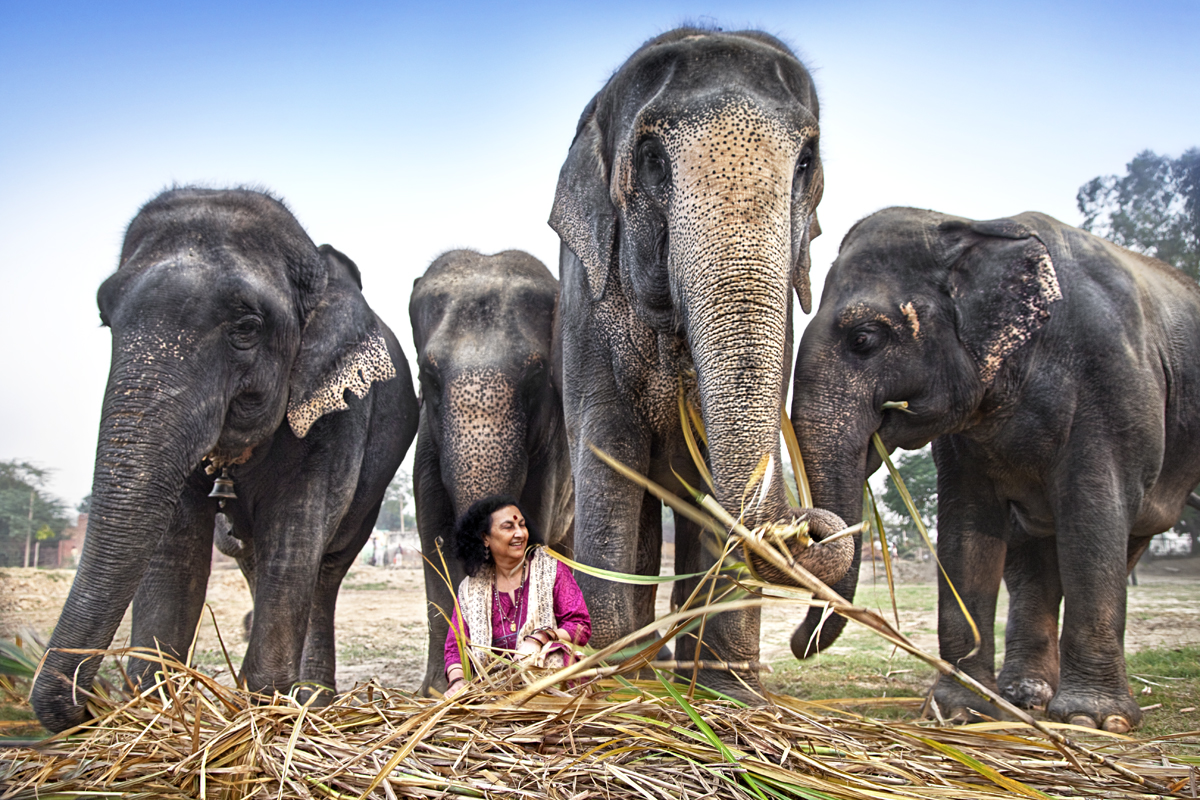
x,y
318,669
687,559
730,636
972,527
170,597
1030,674
290,536
649,558
443,570
609,521
1092,555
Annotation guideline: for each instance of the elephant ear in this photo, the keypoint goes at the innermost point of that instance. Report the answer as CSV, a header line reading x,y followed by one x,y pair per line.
x,y
583,215
342,347
802,265
1003,284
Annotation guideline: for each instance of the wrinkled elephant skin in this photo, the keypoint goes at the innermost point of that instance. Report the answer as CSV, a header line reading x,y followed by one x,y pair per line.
x,y
491,416
1056,375
236,342
685,207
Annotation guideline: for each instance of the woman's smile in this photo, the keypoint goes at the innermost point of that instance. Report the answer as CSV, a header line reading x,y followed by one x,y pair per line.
x,y
508,536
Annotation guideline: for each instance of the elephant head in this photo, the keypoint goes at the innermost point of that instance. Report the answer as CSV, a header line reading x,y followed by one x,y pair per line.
x,y
482,328
226,319
690,191
922,308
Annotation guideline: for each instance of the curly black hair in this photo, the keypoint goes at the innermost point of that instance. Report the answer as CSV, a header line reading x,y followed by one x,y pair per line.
x,y
476,523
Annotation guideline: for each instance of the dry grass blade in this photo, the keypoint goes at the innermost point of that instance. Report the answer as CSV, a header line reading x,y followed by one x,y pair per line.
x,y
603,738
793,448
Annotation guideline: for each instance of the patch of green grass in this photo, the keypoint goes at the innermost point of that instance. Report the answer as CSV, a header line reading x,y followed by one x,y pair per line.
x,y
367,587
1173,676
860,674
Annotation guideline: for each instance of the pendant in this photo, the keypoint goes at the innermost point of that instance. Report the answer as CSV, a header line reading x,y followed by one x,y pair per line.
x,y
512,626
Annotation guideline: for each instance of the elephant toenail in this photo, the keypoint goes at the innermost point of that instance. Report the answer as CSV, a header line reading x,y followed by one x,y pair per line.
x,y
1082,720
1115,723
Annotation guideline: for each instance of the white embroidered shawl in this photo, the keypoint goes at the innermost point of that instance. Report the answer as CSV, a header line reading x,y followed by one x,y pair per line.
x,y
475,603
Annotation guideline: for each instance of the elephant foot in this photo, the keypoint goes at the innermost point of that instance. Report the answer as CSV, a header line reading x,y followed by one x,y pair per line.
x,y
316,695
1027,692
958,705
1114,723
1093,710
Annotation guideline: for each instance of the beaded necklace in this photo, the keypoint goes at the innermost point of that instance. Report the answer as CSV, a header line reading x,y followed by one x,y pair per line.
x,y
510,623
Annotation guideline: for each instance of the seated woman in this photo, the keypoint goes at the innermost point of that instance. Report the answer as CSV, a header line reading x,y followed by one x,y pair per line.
x,y
516,599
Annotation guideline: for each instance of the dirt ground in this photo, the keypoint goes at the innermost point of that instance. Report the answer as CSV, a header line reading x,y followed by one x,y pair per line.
x,y
381,627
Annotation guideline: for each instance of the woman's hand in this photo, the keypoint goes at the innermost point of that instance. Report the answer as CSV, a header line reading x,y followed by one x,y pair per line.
x,y
455,687
529,648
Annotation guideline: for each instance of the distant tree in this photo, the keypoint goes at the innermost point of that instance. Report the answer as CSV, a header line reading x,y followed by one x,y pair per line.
x,y
1154,208
393,514
85,505
25,508
917,470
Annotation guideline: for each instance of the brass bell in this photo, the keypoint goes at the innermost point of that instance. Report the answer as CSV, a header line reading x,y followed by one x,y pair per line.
x,y
223,488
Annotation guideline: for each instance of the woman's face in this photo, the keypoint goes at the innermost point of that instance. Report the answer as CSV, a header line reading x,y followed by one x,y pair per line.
x,y
508,536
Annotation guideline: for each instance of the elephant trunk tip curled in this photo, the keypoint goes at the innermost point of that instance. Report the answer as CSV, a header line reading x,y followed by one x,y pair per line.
x,y
828,562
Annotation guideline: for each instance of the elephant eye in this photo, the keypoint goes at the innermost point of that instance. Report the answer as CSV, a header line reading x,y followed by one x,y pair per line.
x,y
653,166
803,163
429,380
865,339
246,331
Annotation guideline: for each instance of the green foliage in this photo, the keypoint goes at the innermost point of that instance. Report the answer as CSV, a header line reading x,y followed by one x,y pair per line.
x,y
394,514
919,474
1169,676
22,495
1154,208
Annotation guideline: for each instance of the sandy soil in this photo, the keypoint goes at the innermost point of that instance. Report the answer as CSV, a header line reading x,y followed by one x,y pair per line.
x,y
381,615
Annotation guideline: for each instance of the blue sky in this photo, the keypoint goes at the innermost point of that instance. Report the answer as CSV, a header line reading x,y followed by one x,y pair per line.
x,y
397,131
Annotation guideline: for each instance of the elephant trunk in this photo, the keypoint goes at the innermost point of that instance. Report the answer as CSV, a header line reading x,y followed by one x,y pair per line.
x,y
733,266
730,232
148,445
834,436
484,428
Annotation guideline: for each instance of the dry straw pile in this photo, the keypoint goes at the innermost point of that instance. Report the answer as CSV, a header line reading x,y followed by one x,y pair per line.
x,y
611,738
518,733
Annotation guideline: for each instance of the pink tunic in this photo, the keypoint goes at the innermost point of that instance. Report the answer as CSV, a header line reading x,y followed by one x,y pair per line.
x,y
570,612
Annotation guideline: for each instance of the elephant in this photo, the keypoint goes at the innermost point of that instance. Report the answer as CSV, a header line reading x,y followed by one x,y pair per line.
x,y
1056,375
685,208
491,416
241,349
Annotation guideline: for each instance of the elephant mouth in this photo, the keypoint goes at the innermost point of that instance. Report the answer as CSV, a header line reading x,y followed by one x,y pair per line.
x,y
220,457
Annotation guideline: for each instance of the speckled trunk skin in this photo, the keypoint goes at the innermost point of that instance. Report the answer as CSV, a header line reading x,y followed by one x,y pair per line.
x,y
730,229
483,419
731,248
